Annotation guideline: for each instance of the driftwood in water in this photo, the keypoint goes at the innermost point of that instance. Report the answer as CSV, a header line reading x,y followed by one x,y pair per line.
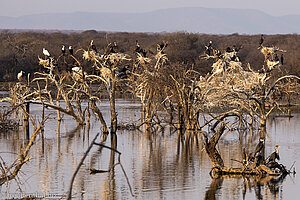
x,y
259,171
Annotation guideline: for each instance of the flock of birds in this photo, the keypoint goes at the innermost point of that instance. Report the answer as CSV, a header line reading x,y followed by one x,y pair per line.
x,y
211,52
111,48
276,58
271,161
258,158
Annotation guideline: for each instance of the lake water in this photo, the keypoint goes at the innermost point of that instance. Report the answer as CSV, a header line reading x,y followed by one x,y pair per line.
x,y
159,166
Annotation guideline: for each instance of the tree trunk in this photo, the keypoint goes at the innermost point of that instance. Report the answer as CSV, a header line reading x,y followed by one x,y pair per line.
x,y
99,114
112,99
210,147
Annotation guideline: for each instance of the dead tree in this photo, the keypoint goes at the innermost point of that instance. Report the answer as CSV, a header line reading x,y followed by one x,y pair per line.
x,y
107,65
146,82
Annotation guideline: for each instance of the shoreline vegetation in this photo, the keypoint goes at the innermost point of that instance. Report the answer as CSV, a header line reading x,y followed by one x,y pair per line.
x,y
20,50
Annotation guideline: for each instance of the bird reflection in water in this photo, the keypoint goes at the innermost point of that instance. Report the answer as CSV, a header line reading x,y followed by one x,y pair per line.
x,y
250,183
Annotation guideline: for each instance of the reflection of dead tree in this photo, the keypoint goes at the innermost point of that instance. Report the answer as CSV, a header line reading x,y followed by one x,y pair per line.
x,y
9,173
215,185
69,195
6,121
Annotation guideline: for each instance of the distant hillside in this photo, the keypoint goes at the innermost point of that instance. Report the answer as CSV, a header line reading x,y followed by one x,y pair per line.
x,y
199,20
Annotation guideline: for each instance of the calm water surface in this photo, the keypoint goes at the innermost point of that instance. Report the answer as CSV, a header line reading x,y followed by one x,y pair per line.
x,y
158,166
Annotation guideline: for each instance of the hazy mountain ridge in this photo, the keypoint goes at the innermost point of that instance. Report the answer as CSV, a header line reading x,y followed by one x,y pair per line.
x,y
201,20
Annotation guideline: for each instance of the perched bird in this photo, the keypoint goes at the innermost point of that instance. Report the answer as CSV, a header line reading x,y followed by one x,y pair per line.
x,y
208,48
78,73
209,44
93,46
236,49
46,53
115,48
163,44
71,50
276,57
281,59
63,49
19,76
261,40
228,50
245,157
76,69
274,155
137,46
259,146
122,71
161,47
139,50
259,159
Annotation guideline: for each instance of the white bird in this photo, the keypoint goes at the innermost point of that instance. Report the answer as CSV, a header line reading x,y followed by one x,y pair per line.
x,y
77,73
46,53
76,69
19,76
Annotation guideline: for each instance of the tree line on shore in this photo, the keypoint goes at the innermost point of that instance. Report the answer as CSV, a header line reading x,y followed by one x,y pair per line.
x,y
19,51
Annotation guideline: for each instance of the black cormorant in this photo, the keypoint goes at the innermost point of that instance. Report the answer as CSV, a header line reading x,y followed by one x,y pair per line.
x,y
228,50
259,146
122,71
261,40
281,59
209,44
114,48
138,49
208,48
93,46
71,50
63,49
274,155
276,57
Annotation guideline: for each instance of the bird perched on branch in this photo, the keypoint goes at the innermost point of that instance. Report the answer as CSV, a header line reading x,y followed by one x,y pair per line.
x,y
261,41
281,59
259,146
63,49
93,46
208,48
115,48
76,69
276,57
20,75
71,50
161,47
139,50
274,155
46,53
122,71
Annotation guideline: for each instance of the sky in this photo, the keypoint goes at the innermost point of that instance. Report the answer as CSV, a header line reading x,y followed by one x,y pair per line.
x,y
27,7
